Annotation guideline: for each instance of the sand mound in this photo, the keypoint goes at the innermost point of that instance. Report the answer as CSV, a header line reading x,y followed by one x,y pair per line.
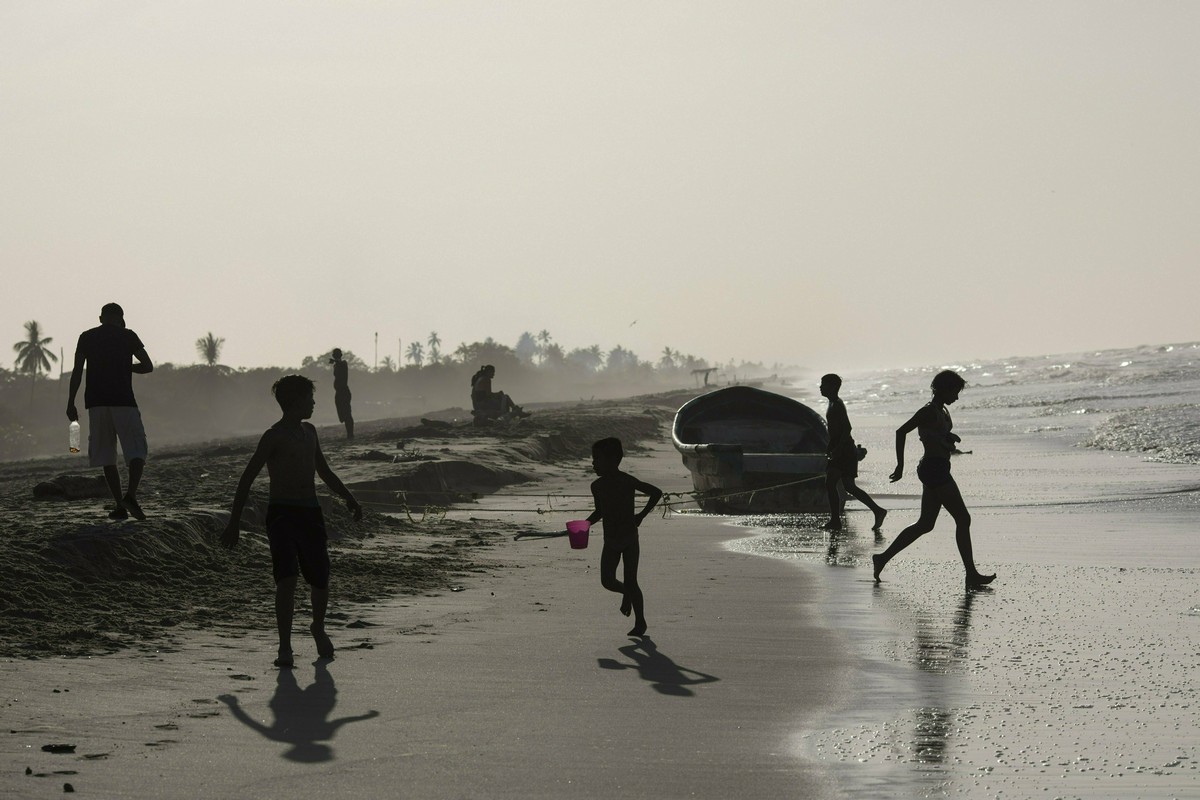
x,y
437,483
78,583
99,586
71,487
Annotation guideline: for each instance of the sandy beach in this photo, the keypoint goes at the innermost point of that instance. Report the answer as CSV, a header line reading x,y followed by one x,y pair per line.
x,y
503,670
567,221
478,664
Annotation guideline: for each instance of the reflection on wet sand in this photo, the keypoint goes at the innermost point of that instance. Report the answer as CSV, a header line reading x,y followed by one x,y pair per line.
x,y
803,534
941,648
937,644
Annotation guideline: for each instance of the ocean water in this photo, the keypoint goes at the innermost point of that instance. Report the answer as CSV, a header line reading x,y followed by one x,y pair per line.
x,y
1075,675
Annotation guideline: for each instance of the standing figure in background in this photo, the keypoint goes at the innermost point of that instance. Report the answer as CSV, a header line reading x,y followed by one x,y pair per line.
x,y
938,488
341,391
842,464
108,351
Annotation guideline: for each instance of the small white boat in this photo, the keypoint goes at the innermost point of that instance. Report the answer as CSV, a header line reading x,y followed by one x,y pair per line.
x,y
753,452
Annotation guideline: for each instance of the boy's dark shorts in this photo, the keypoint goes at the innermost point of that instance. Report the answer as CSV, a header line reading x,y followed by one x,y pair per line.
x,y
934,471
843,467
298,544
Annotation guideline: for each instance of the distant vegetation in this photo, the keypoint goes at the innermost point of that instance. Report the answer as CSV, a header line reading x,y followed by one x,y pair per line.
x,y
209,348
33,355
201,402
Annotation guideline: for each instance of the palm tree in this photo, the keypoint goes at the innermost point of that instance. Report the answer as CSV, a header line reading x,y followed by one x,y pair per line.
x,y
668,359
543,339
416,353
590,358
33,355
209,348
554,355
435,354
527,347
620,359
387,365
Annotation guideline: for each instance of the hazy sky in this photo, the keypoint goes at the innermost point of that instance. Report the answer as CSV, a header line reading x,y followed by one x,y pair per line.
x,y
829,184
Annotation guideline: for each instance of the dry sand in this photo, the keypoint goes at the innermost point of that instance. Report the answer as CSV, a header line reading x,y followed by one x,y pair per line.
x,y
78,583
522,683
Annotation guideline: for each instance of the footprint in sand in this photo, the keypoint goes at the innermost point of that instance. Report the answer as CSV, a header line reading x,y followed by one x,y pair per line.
x,y
33,774
204,714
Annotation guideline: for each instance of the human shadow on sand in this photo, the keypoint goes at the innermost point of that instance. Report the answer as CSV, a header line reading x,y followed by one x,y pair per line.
x,y
301,715
664,675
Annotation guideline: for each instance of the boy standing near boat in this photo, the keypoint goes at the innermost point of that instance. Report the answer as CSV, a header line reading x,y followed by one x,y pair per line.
x,y
615,492
842,455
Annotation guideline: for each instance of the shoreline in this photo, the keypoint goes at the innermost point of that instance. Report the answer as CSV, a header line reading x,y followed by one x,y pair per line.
x,y
1071,673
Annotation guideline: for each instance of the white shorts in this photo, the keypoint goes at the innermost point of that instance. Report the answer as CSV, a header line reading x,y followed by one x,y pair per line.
x,y
106,424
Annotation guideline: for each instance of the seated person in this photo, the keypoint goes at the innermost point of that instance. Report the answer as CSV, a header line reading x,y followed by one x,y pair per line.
x,y
483,399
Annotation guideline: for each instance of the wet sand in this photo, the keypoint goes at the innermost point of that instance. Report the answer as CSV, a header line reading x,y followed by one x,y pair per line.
x,y
1073,676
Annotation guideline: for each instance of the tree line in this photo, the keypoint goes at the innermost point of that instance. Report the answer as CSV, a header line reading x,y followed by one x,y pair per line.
x,y
208,400
34,356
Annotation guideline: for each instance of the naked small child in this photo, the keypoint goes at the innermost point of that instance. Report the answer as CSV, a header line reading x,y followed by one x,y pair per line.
x,y
295,524
615,492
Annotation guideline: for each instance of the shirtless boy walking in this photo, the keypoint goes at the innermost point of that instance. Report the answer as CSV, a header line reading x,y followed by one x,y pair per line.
x,y
295,524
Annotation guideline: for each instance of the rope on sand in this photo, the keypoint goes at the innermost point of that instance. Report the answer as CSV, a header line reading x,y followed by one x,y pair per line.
x,y
670,500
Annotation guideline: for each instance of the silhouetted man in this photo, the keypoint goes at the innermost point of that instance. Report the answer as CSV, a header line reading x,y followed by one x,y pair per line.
x,y
108,351
341,391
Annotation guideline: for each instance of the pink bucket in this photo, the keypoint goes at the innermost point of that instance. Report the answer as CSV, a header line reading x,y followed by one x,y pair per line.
x,y
577,532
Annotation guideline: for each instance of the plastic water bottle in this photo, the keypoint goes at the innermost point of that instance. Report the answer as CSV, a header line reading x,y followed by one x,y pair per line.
x,y
73,435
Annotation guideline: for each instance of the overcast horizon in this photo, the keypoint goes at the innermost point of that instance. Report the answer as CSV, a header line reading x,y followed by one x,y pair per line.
x,y
836,186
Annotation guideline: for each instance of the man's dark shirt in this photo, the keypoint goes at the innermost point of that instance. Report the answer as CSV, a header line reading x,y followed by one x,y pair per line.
x,y
109,351
341,378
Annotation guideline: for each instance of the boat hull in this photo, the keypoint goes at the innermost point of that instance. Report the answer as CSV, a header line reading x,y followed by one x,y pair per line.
x,y
753,452
731,482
